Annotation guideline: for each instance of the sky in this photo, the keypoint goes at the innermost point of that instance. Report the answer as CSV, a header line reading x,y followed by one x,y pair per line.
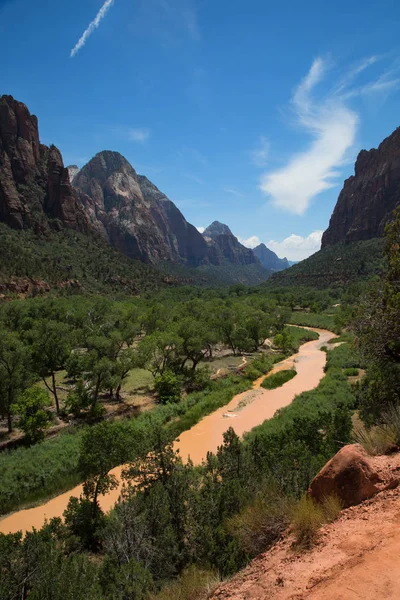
x,y
250,112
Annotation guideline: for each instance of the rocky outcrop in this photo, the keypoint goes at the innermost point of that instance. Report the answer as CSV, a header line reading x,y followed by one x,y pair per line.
x,y
349,475
269,259
226,247
34,185
366,203
73,170
136,217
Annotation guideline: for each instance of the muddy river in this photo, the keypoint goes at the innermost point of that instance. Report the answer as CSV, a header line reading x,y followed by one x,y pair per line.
x,y
243,412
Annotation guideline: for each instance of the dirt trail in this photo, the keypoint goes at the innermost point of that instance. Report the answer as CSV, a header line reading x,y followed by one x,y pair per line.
x,y
356,557
246,411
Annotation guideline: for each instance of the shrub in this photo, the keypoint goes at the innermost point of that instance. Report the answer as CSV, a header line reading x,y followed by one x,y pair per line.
x,y
33,418
308,517
375,440
351,372
168,387
278,379
194,584
261,523
78,400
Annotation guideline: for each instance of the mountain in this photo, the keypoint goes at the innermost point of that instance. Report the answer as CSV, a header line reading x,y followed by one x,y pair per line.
x,y
368,197
269,259
227,247
72,171
136,218
110,204
35,191
352,246
216,229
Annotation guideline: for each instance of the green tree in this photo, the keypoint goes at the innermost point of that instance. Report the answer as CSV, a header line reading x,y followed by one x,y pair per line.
x,y
50,351
34,419
168,387
15,373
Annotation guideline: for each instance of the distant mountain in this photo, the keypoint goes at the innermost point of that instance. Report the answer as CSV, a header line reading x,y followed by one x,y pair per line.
x,y
368,198
227,247
108,201
216,229
269,259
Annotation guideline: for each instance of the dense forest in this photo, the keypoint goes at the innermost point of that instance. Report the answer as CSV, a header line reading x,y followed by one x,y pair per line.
x,y
177,527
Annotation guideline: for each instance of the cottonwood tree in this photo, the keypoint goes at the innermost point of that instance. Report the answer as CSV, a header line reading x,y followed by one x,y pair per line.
x,y
15,373
50,344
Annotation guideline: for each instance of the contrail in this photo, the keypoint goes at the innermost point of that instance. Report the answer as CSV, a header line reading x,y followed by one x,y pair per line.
x,y
92,26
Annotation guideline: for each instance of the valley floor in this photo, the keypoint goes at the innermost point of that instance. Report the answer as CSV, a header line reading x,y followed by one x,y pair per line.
x,y
356,557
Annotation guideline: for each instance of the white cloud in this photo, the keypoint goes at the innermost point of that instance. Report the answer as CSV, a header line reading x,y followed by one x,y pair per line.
x,y
333,127
91,27
259,156
200,229
251,242
296,247
139,135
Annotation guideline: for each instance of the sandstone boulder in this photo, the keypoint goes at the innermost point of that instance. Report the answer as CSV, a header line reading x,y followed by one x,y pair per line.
x,y
349,475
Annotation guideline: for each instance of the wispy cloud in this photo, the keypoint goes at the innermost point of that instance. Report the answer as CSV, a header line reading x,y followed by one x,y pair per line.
x,y
259,156
193,178
233,191
201,229
297,247
332,125
92,27
140,134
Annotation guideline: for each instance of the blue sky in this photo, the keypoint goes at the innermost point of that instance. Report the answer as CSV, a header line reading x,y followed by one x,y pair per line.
x,y
248,112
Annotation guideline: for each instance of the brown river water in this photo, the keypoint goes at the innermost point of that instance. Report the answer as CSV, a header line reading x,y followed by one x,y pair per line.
x,y
244,412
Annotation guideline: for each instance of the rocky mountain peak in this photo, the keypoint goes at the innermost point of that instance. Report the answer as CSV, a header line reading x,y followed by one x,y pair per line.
x,y
73,170
34,184
368,197
216,228
269,259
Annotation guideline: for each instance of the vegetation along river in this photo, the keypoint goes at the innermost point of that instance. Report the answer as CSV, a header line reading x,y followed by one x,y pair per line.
x,y
244,412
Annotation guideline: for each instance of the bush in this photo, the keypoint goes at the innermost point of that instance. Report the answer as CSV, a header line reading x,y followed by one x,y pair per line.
x,y
261,523
278,379
308,517
194,584
78,400
33,418
351,372
168,387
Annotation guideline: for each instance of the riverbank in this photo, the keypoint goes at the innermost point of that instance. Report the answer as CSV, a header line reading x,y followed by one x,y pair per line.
x,y
207,434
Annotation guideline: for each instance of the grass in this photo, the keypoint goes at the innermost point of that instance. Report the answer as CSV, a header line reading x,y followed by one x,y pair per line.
x,y
351,372
378,439
320,321
193,584
308,517
224,363
138,380
278,379
258,526
300,336
28,475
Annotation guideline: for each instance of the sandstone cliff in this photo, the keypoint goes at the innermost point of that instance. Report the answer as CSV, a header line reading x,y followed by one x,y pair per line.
x,y
34,185
137,218
369,197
